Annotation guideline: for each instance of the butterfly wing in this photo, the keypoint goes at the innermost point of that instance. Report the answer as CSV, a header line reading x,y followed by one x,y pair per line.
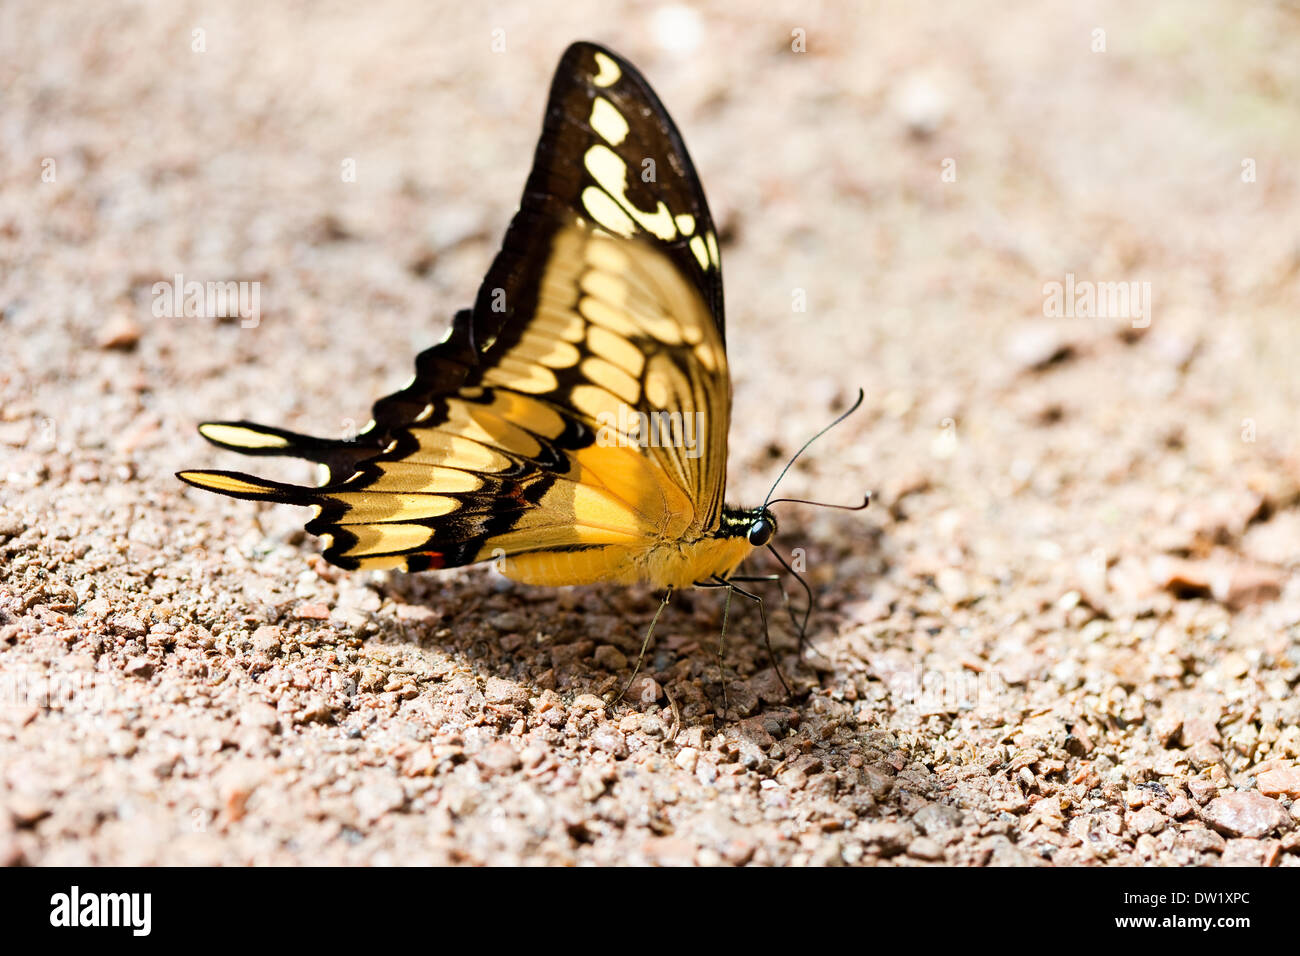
x,y
576,417
610,153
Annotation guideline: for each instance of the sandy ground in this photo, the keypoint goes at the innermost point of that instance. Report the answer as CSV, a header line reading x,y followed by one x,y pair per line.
x,y
1067,632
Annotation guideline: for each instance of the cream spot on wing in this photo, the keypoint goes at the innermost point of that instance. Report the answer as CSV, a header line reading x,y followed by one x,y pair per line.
x,y
685,223
665,329
551,352
615,349
224,483
438,448
602,313
704,352
701,252
608,122
366,507
595,402
610,172
529,413
606,286
608,169
498,432
609,72
241,437
521,376
562,324
615,307
607,213
612,378
605,254
713,250
657,388
372,539
411,478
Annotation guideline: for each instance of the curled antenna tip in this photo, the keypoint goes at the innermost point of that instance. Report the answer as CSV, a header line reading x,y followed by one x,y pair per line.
x,y
866,502
839,418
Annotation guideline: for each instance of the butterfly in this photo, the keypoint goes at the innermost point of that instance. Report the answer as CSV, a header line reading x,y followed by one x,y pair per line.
x,y
572,425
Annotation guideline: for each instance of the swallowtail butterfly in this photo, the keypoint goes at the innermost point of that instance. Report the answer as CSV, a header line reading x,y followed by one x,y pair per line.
x,y
573,422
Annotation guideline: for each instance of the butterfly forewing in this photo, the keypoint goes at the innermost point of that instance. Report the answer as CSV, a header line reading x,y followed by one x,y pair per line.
x,y
610,153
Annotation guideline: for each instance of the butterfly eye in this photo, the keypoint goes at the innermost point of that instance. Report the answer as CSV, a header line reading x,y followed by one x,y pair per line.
x,y
760,532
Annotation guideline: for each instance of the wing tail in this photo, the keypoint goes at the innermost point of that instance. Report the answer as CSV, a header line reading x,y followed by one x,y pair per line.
x,y
249,438
236,484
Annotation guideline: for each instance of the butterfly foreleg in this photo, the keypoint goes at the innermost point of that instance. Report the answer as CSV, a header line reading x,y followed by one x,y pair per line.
x,y
785,600
722,644
802,626
718,582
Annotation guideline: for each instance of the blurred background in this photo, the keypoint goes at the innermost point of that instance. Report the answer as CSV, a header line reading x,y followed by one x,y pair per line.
x,y
1107,142
917,176
897,187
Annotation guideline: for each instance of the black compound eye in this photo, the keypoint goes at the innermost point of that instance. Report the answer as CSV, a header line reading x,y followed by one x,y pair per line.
x,y
760,532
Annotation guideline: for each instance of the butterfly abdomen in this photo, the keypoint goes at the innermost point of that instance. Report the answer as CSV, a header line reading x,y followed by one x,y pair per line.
x,y
683,564
677,564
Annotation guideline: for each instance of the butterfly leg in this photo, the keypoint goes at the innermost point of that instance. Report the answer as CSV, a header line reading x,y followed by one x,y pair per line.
x,y
807,613
714,583
645,644
762,613
722,643
785,600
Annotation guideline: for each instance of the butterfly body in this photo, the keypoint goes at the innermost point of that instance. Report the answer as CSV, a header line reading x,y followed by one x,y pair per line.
x,y
670,562
571,427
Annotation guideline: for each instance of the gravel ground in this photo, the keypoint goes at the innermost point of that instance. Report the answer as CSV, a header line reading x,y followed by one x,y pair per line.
x,y
1068,631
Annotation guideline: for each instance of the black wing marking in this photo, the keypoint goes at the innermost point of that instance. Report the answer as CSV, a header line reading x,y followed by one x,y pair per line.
x,y
610,158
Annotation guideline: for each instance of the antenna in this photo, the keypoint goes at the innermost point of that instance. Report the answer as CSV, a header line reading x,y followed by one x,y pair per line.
x,y
843,415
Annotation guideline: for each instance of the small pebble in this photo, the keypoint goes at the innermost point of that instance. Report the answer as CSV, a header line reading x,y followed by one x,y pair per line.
x,y
498,758
1279,783
120,332
140,667
687,758
610,658
1245,814
924,848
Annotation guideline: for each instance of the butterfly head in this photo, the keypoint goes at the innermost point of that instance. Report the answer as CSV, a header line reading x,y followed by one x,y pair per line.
x,y
762,525
755,525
